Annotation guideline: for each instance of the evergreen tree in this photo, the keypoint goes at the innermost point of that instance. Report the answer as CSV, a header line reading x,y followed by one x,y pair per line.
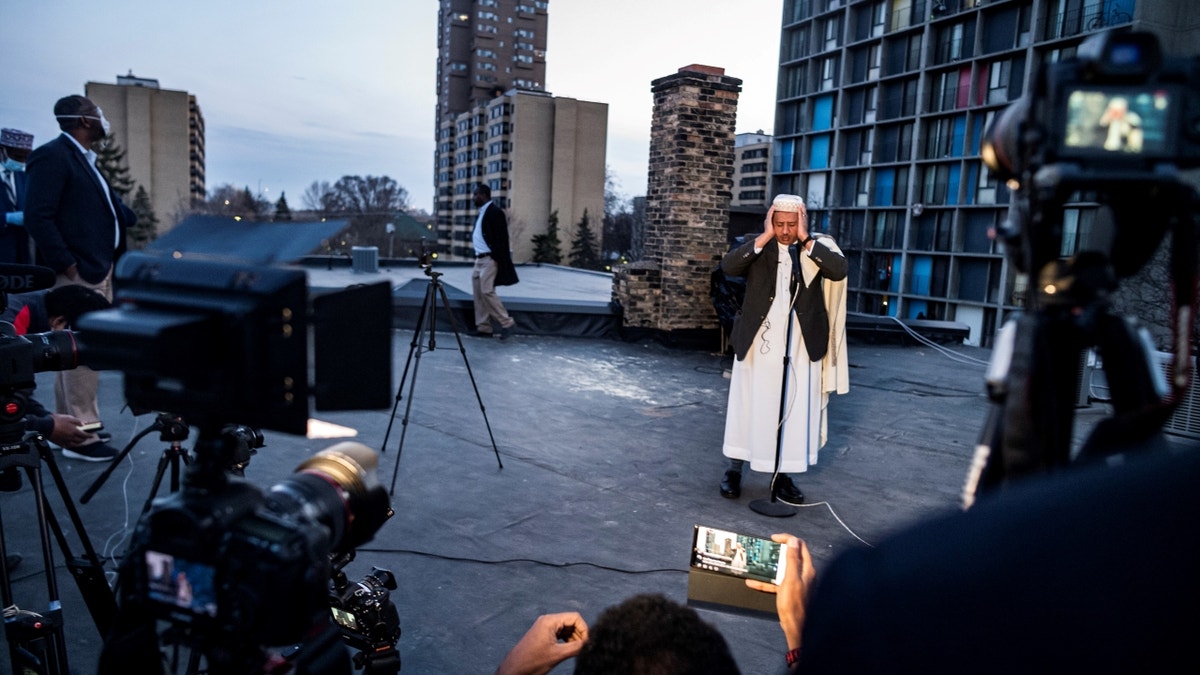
x,y
282,212
146,229
547,247
583,248
111,162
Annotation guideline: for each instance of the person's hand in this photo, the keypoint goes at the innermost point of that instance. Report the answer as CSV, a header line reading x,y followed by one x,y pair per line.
x,y
792,594
66,431
768,232
552,639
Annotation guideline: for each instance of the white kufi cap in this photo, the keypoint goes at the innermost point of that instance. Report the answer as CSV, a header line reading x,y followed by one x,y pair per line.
x,y
788,203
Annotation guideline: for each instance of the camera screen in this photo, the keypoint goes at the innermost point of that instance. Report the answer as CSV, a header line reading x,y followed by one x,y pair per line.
x,y
1118,121
344,619
181,583
737,555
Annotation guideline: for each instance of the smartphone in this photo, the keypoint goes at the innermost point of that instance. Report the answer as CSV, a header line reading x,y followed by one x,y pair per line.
x,y
91,426
738,555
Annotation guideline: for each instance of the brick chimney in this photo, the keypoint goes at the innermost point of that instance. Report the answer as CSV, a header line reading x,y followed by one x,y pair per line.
x,y
687,205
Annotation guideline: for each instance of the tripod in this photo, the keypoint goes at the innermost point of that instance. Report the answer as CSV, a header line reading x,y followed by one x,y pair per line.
x,y
173,430
428,317
35,640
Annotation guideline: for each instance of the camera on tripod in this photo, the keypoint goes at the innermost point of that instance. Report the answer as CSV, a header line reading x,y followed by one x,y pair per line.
x,y
1104,134
427,255
240,575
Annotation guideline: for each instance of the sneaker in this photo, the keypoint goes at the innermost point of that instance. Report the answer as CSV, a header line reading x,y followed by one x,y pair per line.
x,y
93,452
505,333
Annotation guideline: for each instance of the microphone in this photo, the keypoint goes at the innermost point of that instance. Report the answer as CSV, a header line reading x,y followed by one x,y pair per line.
x,y
25,278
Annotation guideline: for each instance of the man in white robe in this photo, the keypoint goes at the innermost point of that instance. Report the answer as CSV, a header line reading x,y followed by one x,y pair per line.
x,y
792,323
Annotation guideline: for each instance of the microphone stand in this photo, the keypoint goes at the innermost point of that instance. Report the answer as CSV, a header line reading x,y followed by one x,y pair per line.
x,y
773,507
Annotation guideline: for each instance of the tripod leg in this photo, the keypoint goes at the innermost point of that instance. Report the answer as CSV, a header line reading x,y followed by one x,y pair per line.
x,y
163,460
412,385
412,349
463,350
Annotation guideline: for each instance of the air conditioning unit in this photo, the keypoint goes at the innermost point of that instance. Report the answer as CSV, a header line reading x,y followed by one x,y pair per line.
x,y
1185,421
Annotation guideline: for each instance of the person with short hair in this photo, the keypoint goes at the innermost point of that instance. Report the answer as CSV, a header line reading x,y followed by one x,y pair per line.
x,y
78,224
493,265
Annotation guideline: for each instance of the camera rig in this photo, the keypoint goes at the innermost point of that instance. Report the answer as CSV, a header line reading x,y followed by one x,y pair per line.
x,y
1114,126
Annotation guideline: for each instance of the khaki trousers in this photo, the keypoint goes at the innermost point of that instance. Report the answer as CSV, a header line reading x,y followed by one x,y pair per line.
x,y
75,390
487,303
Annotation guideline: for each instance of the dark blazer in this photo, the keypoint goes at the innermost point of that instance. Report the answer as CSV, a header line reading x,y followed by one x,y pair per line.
x,y
495,234
67,215
759,271
14,239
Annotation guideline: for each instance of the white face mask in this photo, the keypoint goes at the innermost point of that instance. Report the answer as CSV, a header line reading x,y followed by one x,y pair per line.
x,y
103,122
13,165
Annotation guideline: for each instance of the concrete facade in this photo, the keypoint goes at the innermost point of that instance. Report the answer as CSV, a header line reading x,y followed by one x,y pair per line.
x,y
162,134
538,154
751,171
687,203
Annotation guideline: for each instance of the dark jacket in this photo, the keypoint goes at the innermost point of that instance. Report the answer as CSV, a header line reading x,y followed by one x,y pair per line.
x,y
67,215
759,270
14,239
495,233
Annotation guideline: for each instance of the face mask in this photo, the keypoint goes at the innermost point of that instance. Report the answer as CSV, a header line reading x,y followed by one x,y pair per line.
x,y
103,122
13,165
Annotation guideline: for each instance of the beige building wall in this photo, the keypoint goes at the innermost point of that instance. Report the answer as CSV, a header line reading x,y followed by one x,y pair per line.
x,y
539,154
161,132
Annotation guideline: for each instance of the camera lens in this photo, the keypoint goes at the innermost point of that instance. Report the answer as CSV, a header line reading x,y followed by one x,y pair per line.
x,y
339,488
54,350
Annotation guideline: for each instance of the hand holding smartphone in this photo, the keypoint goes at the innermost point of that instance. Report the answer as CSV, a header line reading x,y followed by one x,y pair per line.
x,y
738,555
91,426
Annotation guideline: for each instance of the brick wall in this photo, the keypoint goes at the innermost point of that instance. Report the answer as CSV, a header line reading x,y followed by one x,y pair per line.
x,y
687,202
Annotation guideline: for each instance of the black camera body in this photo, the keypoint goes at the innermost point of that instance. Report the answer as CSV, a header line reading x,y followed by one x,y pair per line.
x,y
1118,111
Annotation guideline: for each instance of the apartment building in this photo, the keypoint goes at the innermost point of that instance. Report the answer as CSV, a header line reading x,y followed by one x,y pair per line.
x,y
162,134
882,106
751,171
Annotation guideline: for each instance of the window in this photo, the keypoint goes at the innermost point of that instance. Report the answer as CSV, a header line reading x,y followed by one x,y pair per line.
x,y
878,18
485,53
833,32
488,16
828,73
757,167
874,61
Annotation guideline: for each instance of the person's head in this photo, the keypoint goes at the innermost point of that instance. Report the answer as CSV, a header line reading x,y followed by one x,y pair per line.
x,y
65,304
651,635
14,148
482,194
80,117
788,217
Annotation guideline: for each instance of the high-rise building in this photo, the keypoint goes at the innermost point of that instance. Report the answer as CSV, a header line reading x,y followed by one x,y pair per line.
x,y
496,124
539,154
162,134
751,170
882,106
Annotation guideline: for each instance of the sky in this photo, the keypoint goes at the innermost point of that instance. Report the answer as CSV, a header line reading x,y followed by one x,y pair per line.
x,y
302,91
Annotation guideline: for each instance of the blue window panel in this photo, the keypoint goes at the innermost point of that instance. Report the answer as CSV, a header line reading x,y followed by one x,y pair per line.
x,y
916,309
823,113
952,186
922,272
976,135
960,134
818,156
885,183
972,181
783,155
894,286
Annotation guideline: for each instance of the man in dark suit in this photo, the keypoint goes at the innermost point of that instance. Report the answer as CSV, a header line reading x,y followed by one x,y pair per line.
x,y
78,225
15,146
493,265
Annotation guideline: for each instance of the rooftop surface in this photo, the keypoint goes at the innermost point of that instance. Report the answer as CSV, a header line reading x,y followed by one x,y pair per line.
x,y
611,453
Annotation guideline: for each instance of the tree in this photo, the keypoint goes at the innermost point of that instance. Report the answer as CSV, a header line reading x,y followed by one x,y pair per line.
x,y
227,200
146,229
319,198
369,196
282,212
547,247
617,227
111,162
583,247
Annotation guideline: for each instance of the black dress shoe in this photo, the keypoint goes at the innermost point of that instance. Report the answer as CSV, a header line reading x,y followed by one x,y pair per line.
x,y
731,485
787,492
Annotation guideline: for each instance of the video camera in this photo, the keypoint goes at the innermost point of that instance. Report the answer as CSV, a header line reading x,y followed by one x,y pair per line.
x,y
1115,123
1110,131
237,574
